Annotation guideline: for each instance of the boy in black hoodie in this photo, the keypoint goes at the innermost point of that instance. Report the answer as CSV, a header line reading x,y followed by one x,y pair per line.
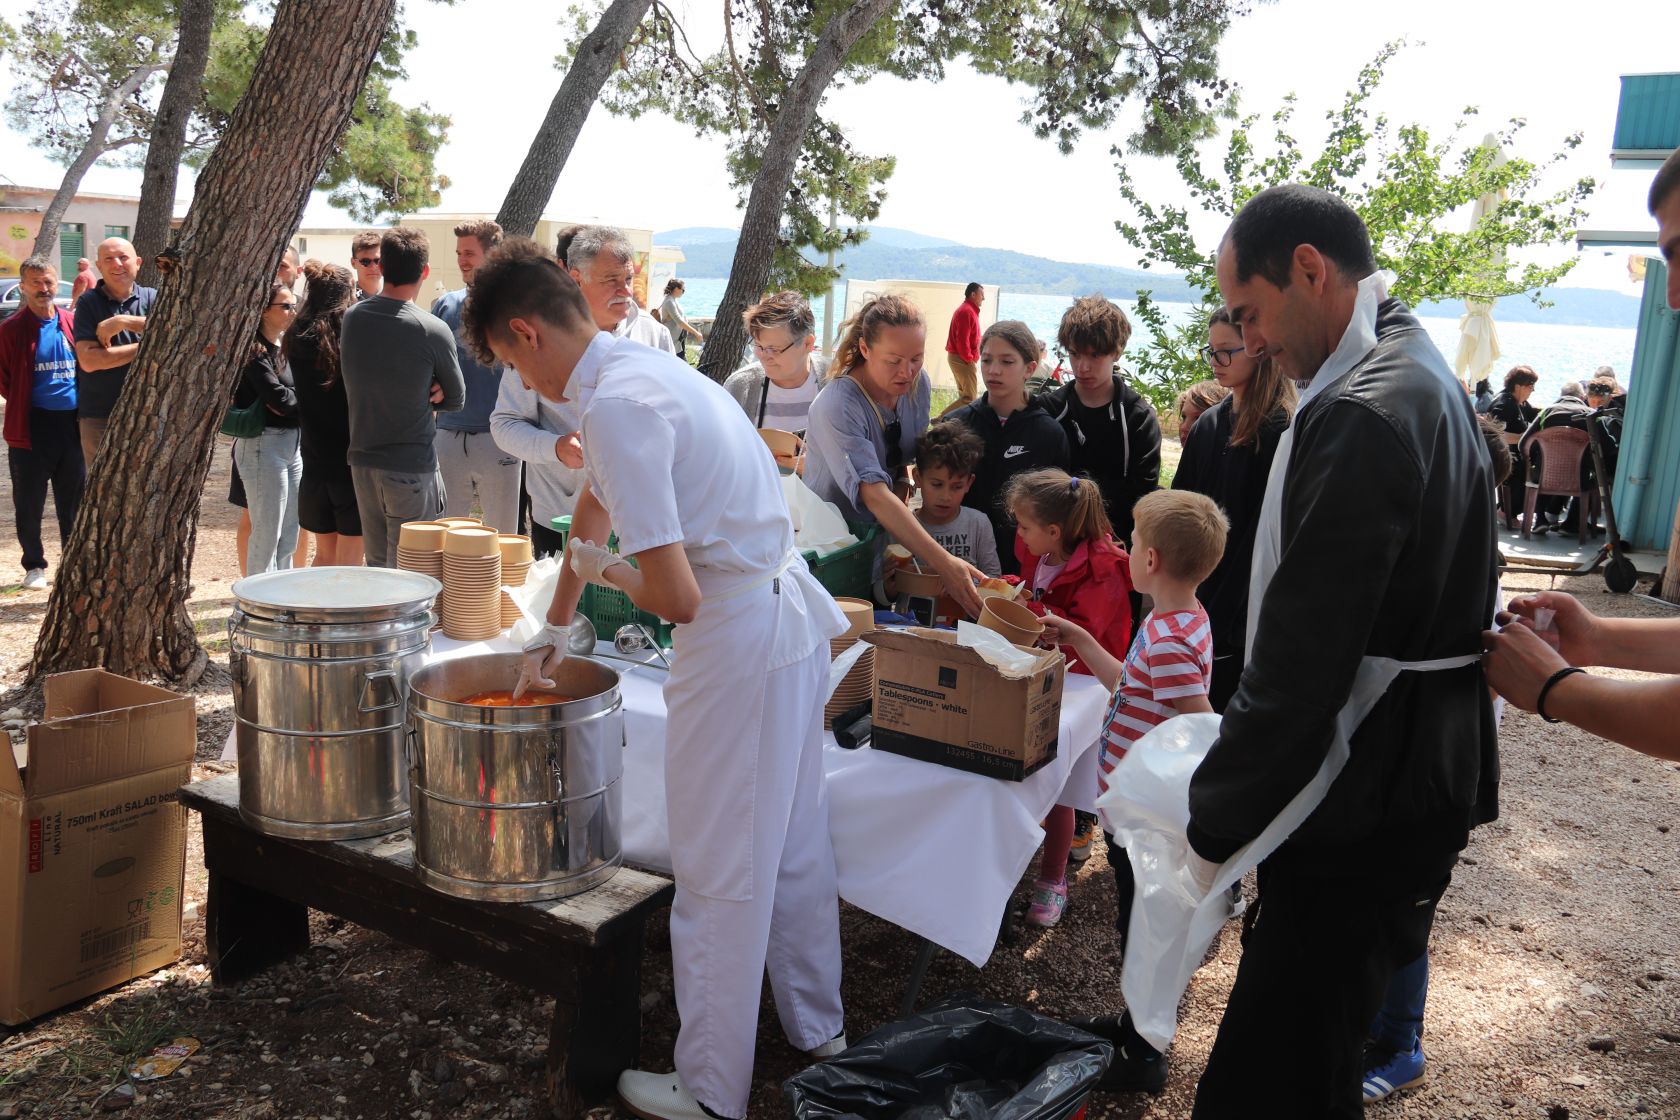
x,y
1113,435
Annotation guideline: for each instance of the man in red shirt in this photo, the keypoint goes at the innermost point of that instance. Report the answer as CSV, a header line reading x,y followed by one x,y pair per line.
x,y
962,345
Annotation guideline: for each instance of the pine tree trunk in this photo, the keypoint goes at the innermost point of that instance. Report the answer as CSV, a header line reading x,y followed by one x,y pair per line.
x,y
595,58
755,251
121,595
169,134
46,239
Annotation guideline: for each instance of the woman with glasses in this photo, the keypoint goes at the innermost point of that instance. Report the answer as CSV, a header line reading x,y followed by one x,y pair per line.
x,y
1227,456
269,463
863,430
777,387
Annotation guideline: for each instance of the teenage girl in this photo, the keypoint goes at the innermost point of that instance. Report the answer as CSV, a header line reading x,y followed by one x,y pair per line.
x,y
1072,566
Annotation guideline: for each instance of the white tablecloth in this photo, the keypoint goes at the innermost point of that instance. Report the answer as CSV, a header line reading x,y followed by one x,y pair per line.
x,y
934,850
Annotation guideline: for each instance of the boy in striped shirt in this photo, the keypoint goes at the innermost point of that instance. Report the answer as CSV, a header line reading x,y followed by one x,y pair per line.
x,y
1178,538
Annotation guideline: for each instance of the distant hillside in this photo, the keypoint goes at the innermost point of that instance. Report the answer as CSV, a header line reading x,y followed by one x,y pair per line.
x,y
895,254
880,259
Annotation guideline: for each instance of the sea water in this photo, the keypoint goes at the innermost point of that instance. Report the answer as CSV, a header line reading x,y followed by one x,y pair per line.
x,y
1558,352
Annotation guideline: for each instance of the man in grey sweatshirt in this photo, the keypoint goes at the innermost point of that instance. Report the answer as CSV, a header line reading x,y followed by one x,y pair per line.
x,y
398,364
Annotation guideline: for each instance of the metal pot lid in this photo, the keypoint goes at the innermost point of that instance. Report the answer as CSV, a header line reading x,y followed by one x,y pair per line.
x,y
336,594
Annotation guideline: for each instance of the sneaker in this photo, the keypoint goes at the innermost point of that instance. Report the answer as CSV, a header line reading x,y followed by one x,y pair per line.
x,y
832,1048
1048,901
1084,831
35,580
658,1096
1388,1072
1136,1068
1238,904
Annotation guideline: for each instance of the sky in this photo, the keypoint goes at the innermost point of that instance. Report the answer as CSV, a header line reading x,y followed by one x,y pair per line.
x,y
969,171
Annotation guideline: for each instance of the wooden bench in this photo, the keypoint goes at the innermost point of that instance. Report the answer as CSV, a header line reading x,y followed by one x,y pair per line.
x,y
586,950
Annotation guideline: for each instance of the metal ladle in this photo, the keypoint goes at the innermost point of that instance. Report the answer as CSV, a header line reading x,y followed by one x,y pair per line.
x,y
633,637
581,639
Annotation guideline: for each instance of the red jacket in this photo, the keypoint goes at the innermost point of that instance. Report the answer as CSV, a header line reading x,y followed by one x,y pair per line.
x,y
1094,590
18,336
964,337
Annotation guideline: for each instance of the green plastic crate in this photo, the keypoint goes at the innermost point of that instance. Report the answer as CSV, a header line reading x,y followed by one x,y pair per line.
x,y
849,571
846,572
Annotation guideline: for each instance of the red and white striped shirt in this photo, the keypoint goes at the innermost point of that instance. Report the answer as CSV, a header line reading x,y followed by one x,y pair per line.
x,y
1171,659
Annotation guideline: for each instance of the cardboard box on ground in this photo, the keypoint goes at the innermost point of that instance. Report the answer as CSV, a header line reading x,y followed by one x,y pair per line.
x,y
944,703
92,841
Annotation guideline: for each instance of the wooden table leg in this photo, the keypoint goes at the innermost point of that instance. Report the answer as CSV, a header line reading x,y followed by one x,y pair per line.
x,y
247,930
606,1002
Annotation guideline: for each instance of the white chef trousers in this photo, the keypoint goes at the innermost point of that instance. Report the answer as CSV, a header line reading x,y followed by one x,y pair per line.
x,y
790,921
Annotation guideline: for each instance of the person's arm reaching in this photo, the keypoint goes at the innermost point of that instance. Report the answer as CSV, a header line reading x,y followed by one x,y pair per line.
x,y
662,582
895,517
1637,714
1651,645
590,522
1313,631
515,426
1106,667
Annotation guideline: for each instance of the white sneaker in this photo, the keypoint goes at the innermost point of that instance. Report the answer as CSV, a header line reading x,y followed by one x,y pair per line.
x,y
36,580
829,1049
658,1096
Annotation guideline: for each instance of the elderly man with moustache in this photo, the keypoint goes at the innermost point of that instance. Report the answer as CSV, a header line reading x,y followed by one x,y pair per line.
x,y
601,260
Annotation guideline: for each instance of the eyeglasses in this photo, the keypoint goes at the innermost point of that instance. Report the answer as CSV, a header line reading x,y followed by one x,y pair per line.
x,y
1220,358
367,262
288,308
775,351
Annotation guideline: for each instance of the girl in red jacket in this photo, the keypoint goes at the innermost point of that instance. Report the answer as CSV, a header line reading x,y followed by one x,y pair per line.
x,y
1070,563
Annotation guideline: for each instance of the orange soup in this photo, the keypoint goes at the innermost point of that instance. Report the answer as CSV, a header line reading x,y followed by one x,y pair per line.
x,y
503,698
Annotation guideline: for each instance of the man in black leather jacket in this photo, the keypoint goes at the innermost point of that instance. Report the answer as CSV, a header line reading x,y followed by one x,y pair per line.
x,y
1388,550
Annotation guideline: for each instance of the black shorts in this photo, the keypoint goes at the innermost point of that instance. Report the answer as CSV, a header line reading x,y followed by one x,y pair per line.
x,y
236,487
327,504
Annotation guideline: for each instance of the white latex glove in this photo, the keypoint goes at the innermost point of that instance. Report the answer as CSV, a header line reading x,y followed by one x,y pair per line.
x,y
542,655
1202,873
591,561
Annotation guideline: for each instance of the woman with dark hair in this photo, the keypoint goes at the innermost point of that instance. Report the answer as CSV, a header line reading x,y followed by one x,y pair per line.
x,y
1018,433
1512,412
268,462
863,429
327,495
1228,456
671,316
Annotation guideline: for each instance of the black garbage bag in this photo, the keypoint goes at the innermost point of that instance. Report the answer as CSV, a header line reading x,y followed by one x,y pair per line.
x,y
963,1058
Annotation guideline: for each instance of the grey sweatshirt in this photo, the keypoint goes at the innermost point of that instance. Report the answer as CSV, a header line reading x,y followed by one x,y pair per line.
x,y
390,352
525,425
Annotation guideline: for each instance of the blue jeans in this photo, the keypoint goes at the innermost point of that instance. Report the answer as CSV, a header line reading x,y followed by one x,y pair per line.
x,y
271,469
1399,1022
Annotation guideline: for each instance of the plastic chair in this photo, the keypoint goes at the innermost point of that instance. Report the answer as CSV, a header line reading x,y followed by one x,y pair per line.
x,y
1558,473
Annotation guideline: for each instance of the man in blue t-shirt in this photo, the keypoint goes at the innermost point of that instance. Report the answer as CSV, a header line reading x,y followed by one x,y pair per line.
x,y
43,443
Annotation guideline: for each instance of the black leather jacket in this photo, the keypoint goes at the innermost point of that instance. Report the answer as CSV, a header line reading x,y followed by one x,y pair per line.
x,y
1388,550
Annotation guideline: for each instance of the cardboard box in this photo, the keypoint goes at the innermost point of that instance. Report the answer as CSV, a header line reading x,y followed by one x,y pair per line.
x,y
92,841
940,702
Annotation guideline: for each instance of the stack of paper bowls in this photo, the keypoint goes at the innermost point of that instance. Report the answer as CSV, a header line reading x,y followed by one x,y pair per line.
x,y
516,563
420,547
860,682
464,519
472,583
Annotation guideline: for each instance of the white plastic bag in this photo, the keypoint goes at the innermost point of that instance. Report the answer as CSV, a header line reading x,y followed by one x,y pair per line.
x,y
533,598
817,525
998,650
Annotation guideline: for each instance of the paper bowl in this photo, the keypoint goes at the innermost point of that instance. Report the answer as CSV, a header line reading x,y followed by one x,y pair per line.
x,y
783,445
1012,620
860,617
422,536
471,541
924,585
516,549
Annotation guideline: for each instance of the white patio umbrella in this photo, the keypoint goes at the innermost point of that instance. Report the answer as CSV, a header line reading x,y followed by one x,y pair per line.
x,y
1478,341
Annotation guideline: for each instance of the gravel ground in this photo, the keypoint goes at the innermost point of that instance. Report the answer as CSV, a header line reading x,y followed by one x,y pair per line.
x,y
1556,984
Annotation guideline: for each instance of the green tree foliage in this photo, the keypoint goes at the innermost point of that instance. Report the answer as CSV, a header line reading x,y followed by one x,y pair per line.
x,y
1082,62
73,57
1414,191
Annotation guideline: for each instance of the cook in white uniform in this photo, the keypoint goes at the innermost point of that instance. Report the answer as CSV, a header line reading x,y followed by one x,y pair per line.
x,y
674,467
